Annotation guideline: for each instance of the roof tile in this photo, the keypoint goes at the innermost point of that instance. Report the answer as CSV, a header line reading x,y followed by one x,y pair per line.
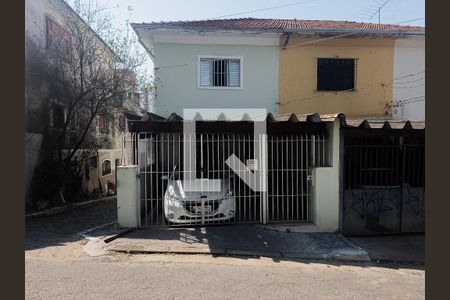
x,y
283,24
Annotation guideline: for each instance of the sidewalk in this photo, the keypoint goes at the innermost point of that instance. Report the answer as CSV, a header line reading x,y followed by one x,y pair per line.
x,y
408,248
239,241
67,207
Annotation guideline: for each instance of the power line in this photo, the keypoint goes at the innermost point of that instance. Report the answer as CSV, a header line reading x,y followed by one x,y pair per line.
x,y
362,87
408,101
410,20
265,9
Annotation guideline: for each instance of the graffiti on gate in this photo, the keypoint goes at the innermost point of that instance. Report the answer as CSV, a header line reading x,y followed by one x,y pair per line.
x,y
416,201
369,203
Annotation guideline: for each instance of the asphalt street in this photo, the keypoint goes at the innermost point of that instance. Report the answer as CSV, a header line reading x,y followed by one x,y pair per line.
x,y
58,268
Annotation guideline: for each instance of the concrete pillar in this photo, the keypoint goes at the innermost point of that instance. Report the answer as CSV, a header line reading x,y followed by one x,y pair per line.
x,y
128,196
326,182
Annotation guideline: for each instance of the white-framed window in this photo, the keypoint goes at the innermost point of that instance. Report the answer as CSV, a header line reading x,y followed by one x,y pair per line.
x,y
220,72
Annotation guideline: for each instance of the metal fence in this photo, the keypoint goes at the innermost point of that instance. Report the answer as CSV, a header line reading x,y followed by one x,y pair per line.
x,y
164,199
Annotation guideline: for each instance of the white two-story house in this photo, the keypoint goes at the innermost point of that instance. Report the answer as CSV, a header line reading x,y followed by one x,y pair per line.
x,y
212,68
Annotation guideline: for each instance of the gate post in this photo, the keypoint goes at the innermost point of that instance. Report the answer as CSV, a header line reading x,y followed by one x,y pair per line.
x,y
264,177
128,200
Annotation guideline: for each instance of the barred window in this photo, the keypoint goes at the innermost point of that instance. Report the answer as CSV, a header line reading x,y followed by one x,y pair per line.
x,y
220,72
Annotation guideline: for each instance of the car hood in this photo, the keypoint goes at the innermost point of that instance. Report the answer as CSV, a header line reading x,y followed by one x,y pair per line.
x,y
175,189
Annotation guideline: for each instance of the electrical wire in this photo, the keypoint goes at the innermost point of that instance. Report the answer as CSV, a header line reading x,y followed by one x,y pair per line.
x,y
264,9
362,87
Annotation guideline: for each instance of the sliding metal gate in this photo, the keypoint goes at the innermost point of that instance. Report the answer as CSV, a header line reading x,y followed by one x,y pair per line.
x,y
384,185
289,196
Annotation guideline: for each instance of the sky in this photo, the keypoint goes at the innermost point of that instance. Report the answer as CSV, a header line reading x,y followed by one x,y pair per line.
x,y
394,11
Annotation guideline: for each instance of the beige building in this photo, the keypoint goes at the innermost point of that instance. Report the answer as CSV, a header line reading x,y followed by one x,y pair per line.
x,y
360,75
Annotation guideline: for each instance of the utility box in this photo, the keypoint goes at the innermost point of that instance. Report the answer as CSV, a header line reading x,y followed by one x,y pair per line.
x,y
128,196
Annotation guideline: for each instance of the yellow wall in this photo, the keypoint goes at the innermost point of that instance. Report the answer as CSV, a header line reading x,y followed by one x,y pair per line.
x,y
298,76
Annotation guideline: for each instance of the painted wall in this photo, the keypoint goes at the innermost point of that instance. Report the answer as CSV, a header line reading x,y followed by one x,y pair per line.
x,y
409,60
128,196
298,76
326,187
178,86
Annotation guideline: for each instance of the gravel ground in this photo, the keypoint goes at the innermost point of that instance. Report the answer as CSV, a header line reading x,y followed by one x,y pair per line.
x,y
57,268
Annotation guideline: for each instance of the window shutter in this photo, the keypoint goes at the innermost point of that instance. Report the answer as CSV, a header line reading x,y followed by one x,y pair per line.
x,y
234,72
205,72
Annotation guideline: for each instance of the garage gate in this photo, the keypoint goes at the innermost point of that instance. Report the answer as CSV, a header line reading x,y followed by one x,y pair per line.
x,y
290,158
384,182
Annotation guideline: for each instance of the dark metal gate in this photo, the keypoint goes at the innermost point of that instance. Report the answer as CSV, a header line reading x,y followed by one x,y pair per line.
x,y
288,199
384,184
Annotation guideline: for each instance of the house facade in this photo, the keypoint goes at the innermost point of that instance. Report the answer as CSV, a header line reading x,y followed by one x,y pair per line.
x,y
288,66
214,69
378,75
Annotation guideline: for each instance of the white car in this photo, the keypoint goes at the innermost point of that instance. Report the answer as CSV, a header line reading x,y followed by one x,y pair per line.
x,y
182,207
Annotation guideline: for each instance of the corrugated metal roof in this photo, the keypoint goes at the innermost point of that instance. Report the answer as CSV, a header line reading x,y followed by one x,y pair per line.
x,y
279,25
306,118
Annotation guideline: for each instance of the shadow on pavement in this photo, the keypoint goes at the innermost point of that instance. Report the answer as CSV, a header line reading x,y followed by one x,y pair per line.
x,y
399,248
245,242
62,228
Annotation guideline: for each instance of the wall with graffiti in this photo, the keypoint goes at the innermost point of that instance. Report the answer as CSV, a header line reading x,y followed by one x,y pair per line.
x,y
384,185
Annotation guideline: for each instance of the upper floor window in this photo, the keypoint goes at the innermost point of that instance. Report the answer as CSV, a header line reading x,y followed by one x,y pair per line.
x,y
103,123
57,115
335,74
223,72
56,36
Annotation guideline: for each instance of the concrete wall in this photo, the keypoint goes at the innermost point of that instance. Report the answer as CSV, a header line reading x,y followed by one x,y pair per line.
x,y
409,58
326,183
178,86
298,76
128,196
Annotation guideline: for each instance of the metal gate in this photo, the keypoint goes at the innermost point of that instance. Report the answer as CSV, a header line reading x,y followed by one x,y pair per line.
x,y
384,185
164,200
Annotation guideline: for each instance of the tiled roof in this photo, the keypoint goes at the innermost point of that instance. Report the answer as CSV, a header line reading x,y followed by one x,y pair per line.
x,y
281,24
310,118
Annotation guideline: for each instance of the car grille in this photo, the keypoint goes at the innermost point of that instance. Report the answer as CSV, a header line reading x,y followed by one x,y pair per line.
x,y
189,206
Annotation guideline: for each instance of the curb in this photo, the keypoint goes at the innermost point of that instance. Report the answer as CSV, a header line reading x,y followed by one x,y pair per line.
x,y
340,257
61,209
107,238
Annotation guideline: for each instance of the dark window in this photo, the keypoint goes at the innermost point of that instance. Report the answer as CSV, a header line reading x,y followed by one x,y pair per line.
x,y
56,36
93,162
57,116
335,74
106,167
102,124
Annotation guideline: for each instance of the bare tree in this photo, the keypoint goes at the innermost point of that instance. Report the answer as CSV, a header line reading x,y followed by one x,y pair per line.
x,y
92,69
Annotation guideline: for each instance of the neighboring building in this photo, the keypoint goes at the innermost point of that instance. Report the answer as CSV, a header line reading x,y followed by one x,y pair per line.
x,y
289,66
44,22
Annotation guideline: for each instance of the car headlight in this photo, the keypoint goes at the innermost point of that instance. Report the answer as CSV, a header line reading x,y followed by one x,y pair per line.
x,y
173,201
